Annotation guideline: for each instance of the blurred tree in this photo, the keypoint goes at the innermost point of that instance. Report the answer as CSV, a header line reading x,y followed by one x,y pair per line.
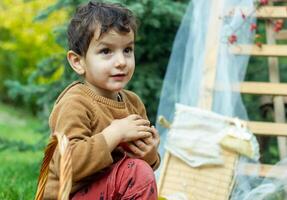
x,y
159,20
25,41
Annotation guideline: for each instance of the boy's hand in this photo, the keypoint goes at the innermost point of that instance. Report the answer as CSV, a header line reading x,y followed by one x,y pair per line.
x,y
146,148
131,128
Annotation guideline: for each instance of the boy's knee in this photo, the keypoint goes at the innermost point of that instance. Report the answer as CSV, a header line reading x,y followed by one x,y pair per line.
x,y
139,169
135,179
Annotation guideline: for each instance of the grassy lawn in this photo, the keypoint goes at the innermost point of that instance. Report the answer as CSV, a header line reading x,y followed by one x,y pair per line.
x,y
20,153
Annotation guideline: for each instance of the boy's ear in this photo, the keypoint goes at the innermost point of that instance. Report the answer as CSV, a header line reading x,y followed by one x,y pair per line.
x,y
76,62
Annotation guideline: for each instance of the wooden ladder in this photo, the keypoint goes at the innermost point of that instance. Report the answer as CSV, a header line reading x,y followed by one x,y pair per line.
x,y
216,183
274,88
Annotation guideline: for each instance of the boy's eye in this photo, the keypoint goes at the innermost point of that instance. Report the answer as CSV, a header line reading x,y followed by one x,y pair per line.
x,y
105,51
128,50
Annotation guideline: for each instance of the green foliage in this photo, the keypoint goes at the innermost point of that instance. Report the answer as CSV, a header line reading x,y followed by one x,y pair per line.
x,y
159,20
23,41
22,126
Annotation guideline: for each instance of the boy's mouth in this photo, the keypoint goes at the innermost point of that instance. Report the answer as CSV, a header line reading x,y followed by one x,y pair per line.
x,y
118,76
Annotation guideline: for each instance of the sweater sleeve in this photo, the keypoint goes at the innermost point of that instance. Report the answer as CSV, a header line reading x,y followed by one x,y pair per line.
x,y
90,151
142,109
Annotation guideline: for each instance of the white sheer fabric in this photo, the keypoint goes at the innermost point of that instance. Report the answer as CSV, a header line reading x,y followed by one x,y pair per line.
x,y
183,79
184,76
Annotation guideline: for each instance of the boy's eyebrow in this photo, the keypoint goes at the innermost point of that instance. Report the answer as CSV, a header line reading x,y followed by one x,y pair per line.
x,y
111,44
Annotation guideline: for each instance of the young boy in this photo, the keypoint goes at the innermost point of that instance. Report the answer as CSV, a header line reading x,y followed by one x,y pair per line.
x,y
114,148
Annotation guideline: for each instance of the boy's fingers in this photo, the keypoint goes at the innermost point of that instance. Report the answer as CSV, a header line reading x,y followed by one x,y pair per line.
x,y
135,150
144,134
142,122
145,128
140,145
155,135
154,132
148,141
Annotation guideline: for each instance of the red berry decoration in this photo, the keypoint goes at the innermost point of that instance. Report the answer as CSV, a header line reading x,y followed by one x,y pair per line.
x,y
263,2
253,27
259,44
232,39
278,25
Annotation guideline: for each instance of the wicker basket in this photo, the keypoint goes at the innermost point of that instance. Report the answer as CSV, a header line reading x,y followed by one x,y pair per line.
x,y
60,140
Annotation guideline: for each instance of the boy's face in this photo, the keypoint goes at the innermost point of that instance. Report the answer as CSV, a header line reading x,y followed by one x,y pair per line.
x,y
109,62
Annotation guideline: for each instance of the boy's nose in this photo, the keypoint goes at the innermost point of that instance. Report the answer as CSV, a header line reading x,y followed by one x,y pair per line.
x,y
121,60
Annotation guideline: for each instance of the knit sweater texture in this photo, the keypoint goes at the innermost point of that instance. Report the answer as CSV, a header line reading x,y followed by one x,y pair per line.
x,y
82,115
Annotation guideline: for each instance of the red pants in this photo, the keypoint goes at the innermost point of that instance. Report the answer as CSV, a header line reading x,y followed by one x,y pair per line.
x,y
128,179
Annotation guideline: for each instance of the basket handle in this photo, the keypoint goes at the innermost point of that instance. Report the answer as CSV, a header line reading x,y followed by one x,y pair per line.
x,y
62,141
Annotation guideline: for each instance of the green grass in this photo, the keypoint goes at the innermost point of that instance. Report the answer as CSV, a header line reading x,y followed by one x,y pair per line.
x,y
20,153
19,125
18,172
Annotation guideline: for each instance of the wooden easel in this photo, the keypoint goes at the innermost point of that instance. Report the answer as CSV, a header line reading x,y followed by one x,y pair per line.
x,y
216,183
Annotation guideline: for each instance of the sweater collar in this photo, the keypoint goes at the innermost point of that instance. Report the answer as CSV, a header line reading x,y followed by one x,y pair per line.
x,y
102,99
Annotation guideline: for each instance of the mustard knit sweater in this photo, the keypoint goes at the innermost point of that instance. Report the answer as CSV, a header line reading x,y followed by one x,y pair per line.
x,y
82,115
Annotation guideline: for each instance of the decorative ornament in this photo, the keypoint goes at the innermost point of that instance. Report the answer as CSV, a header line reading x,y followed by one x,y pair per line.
x,y
253,27
263,2
232,39
278,25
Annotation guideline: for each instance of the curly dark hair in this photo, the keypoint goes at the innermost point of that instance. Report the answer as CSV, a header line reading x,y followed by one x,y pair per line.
x,y
94,15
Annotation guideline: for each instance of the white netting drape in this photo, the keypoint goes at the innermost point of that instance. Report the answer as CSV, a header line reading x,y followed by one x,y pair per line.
x,y
183,79
184,76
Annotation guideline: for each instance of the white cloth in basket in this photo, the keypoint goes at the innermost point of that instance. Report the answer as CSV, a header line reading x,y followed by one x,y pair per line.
x,y
196,136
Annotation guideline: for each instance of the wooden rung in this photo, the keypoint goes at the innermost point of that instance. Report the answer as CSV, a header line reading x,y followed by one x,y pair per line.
x,y
265,50
276,89
267,128
263,170
282,35
264,12
271,12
